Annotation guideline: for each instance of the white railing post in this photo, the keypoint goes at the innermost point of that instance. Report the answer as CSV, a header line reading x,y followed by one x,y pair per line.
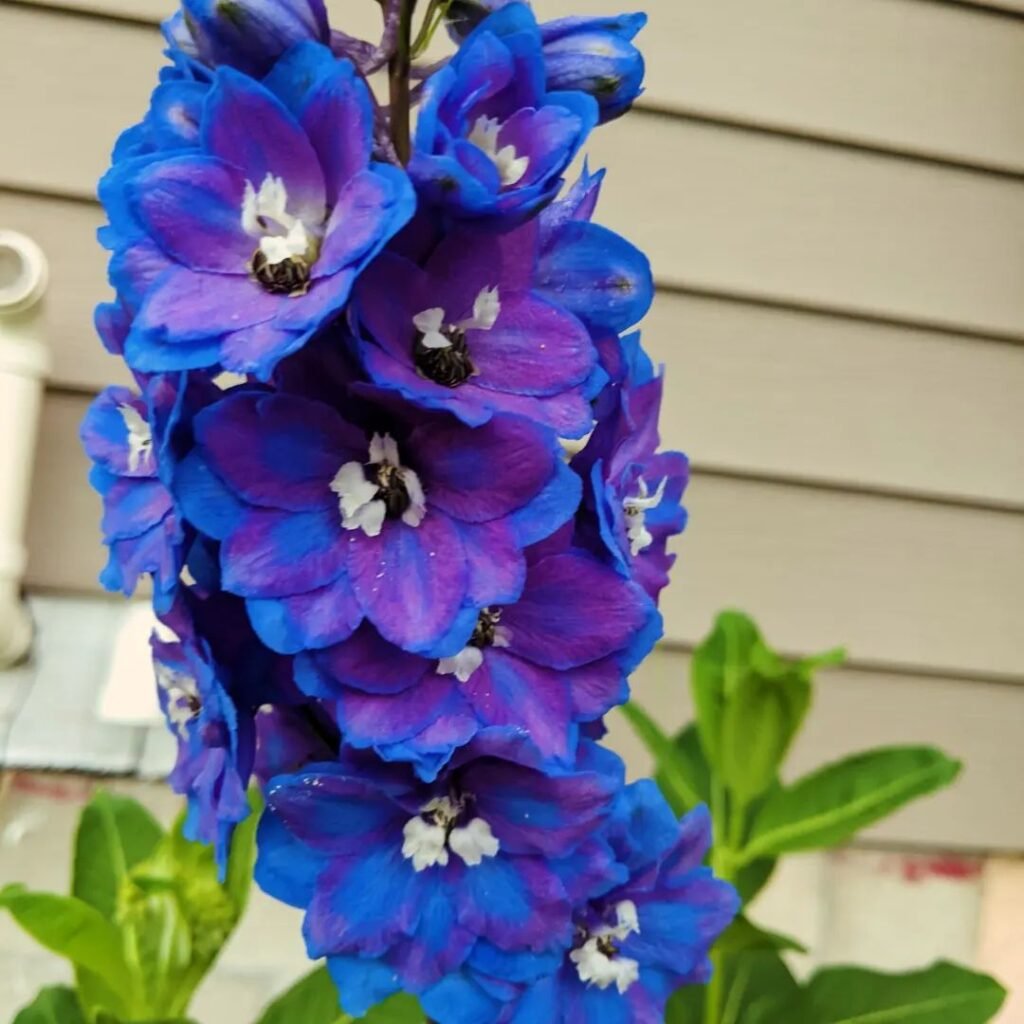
x,y
24,365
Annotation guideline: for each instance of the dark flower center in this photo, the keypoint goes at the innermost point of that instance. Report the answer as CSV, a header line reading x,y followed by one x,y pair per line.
x,y
288,277
391,488
449,366
607,947
486,627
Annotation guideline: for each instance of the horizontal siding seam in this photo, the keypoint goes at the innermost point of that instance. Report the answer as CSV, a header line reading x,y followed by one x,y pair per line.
x,y
833,140
682,112
982,7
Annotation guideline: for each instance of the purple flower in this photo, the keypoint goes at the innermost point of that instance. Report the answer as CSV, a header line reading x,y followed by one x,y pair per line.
x,y
249,35
588,269
140,526
259,233
596,56
634,501
406,876
322,525
467,333
558,655
491,139
634,944
216,739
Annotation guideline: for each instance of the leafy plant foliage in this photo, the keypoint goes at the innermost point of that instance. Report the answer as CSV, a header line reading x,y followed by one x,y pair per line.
x,y
750,705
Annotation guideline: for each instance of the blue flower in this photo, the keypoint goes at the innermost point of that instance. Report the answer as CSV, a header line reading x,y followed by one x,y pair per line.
x,y
140,525
467,332
558,655
245,34
633,505
596,56
402,880
587,268
635,943
216,739
258,234
324,524
492,139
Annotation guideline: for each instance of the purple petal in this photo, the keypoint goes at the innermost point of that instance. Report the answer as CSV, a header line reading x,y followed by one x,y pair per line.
x,y
496,563
192,207
574,610
307,621
534,349
338,119
411,581
367,662
508,691
247,126
273,553
187,305
276,450
483,474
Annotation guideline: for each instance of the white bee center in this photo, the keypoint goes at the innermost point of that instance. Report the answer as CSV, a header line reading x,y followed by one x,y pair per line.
x,y
265,216
511,167
636,509
183,703
368,494
436,334
433,835
598,961
140,436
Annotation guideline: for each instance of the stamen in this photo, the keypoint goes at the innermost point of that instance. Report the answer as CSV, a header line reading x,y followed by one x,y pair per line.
x,y
286,252
430,836
440,351
597,957
636,509
487,633
183,702
382,489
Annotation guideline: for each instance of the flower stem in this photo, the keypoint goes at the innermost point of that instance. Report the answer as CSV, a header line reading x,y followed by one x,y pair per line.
x,y
721,865
398,81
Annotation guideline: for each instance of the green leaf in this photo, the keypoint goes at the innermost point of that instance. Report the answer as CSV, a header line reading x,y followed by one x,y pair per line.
x,y
744,936
242,858
750,880
750,704
830,805
313,1000
401,1009
757,983
718,666
72,929
686,1006
673,772
57,1005
689,760
114,834
942,994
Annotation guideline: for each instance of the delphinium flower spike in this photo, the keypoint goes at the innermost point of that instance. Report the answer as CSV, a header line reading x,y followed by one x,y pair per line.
x,y
392,463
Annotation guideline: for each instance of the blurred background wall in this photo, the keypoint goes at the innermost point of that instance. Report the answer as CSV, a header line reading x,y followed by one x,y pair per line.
x,y
832,194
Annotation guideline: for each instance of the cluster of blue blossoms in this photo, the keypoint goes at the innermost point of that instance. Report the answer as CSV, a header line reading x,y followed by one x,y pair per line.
x,y
393,467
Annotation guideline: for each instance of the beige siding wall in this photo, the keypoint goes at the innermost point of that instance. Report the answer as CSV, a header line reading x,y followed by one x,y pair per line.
x,y
832,192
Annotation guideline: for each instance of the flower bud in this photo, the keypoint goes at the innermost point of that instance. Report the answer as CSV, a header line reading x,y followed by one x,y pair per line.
x,y
246,34
464,15
596,56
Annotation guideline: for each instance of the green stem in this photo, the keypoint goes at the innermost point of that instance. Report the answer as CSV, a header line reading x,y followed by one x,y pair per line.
x,y
722,865
398,82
